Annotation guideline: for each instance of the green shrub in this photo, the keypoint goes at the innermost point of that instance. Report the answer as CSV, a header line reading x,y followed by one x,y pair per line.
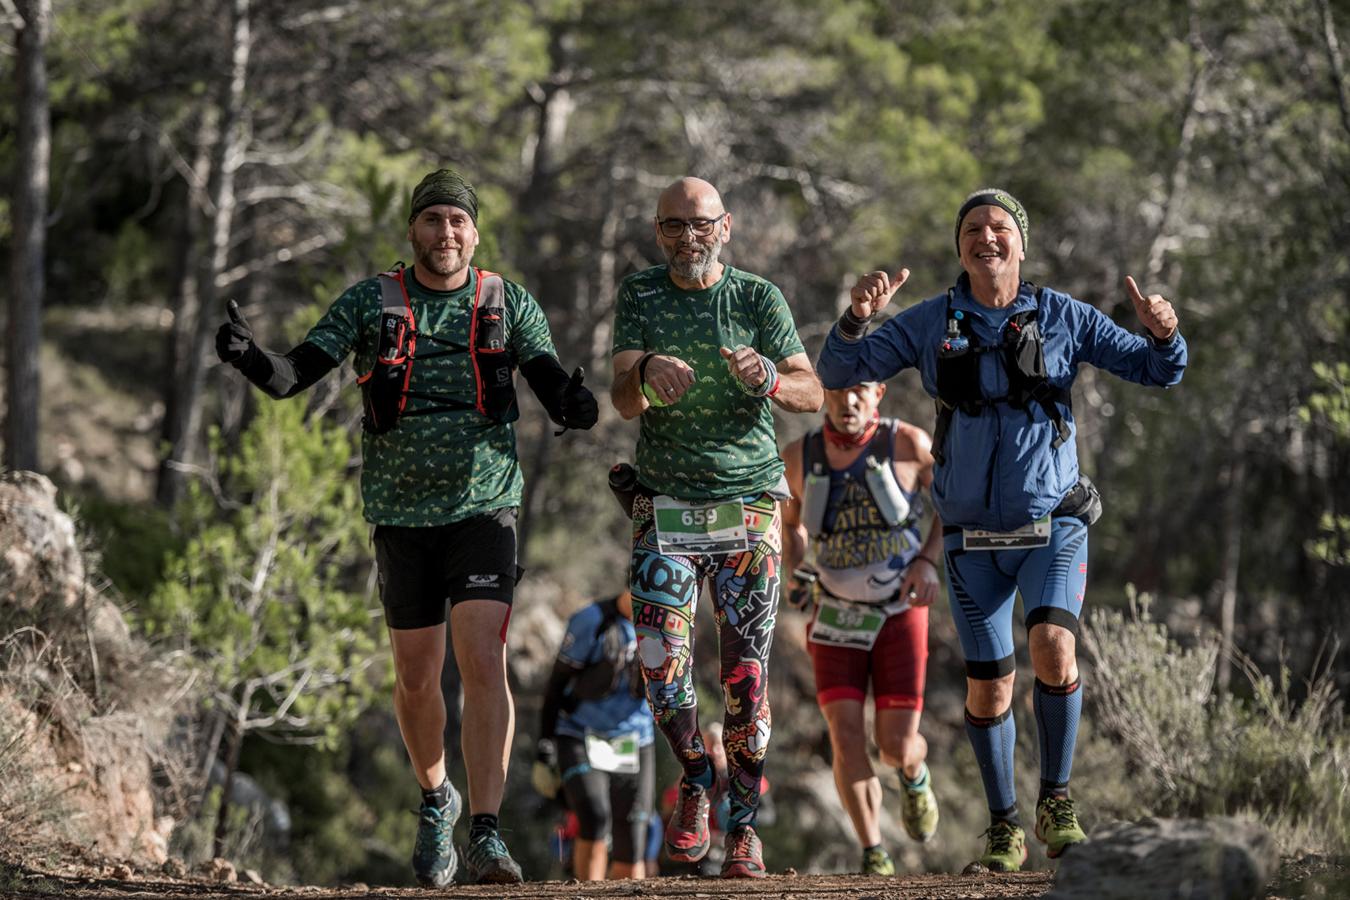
x,y
1192,752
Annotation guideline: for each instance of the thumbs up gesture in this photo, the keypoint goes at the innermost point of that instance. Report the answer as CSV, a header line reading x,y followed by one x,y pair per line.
x,y
578,406
234,338
874,290
1154,311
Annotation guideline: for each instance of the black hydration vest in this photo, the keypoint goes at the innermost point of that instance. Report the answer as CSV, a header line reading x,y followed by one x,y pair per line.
x,y
384,389
1023,352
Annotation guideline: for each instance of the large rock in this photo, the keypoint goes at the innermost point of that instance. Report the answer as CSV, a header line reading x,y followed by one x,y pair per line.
x,y
1177,859
79,695
40,561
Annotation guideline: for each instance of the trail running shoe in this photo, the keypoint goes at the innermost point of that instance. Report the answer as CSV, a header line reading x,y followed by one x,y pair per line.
x,y
1007,848
434,860
1057,825
489,862
919,809
687,830
877,861
745,854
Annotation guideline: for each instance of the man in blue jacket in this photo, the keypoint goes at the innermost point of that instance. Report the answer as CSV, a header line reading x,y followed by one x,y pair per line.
x,y
1000,355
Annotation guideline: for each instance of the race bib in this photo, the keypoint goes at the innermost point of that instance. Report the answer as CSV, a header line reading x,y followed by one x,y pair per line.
x,y
1033,534
617,754
840,624
685,527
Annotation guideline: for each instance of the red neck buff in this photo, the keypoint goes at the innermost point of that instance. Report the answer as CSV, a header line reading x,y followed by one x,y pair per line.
x,y
851,441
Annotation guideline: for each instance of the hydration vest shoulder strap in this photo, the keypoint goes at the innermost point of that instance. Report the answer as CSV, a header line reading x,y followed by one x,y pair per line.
x,y
879,476
815,483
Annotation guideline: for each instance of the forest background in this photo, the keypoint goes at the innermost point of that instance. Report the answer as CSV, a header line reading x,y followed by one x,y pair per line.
x,y
263,151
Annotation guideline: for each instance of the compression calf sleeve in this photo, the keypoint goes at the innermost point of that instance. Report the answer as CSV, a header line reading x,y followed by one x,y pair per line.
x,y
1058,708
993,740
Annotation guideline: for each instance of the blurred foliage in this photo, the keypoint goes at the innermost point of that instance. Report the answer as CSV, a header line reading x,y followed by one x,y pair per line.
x,y
260,594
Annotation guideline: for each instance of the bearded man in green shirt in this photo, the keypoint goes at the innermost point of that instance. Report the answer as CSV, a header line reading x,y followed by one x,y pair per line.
x,y
441,484
701,350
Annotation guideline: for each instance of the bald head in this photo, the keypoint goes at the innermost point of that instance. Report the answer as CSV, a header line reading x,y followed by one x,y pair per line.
x,y
691,226
689,198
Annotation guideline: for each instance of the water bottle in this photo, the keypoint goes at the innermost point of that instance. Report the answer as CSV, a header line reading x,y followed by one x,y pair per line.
x,y
623,481
955,343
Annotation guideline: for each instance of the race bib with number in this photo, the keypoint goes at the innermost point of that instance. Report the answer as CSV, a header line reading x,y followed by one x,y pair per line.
x,y
690,527
1033,534
618,754
841,624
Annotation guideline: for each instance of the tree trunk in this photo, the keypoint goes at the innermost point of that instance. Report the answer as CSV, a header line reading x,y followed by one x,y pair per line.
x,y
232,748
28,253
1231,536
185,306
1336,61
225,160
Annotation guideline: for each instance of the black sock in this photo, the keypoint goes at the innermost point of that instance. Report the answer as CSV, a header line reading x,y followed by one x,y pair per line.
x,y
438,797
481,824
1051,789
1010,816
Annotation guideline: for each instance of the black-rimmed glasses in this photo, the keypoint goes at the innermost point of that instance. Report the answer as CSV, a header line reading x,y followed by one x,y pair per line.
x,y
673,228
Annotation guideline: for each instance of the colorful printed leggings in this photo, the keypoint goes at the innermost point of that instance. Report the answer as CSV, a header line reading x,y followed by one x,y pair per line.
x,y
745,602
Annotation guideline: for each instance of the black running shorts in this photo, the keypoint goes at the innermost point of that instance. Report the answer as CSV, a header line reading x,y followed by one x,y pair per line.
x,y
420,569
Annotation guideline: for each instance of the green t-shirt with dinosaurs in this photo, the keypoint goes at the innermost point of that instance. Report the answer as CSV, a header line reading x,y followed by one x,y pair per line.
x,y
716,441
443,467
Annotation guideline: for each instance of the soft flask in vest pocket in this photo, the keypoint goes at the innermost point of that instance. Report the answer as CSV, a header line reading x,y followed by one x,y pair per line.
x,y
384,389
885,490
494,366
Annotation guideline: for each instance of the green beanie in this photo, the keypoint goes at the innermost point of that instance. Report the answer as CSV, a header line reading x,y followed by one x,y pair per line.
x,y
994,197
444,186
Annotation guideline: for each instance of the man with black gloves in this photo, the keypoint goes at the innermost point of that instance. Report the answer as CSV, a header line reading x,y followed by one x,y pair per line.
x,y
1000,355
436,344
597,743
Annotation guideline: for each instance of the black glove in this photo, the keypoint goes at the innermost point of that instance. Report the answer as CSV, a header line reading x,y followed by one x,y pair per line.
x,y
234,339
578,406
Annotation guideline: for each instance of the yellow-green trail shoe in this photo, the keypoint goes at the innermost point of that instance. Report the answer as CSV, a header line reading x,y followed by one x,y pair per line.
x,y
1057,825
876,861
918,807
1006,849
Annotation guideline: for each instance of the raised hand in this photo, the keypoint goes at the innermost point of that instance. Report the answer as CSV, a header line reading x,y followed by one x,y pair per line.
x,y
1154,311
234,338
745,363
578,406
668,377
874,290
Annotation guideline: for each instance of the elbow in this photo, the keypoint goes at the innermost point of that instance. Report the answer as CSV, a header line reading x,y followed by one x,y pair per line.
x,y
627,411
817,398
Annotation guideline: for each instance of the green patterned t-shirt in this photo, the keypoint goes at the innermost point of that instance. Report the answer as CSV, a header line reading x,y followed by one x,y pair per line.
x,y
717,441
443,467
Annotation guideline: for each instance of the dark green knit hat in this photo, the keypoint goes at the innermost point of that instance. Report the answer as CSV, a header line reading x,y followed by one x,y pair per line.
x,y
444,186
994,197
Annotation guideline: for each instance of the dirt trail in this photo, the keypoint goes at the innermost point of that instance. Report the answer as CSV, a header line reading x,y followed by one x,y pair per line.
x,y
28,884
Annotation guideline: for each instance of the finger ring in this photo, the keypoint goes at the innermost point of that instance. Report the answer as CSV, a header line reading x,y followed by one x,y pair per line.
x,y
913,594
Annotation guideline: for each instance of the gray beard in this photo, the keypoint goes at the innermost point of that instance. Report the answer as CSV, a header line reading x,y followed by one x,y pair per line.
x,y
695,269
